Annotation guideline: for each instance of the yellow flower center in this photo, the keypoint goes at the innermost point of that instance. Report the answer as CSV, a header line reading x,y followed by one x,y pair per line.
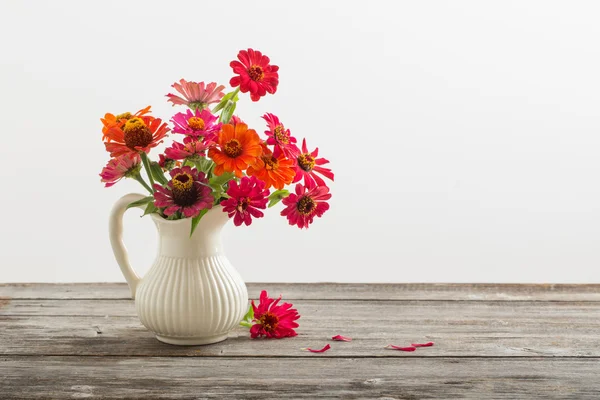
x,y
136,133
269,321
196,123
233,148
243,204
271,163
280,135
256,73
306,205
125,115
306,162
184,191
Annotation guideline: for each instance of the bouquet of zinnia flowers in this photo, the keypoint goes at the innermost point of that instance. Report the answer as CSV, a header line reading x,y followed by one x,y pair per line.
x,y
218,159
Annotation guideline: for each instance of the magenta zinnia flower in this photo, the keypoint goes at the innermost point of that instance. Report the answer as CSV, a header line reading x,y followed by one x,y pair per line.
x,y
186,192
245,200
273,320
305,204
199,123
191,148
196,95
280,137
125,166
308,165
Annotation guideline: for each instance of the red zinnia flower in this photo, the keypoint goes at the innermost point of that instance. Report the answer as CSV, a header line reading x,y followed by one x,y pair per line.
x,y
191,149
245,200
307,166
187,192
272,320
280,137
305,204
255,74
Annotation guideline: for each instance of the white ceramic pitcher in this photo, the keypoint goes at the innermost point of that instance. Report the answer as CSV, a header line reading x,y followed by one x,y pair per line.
x,y
192,295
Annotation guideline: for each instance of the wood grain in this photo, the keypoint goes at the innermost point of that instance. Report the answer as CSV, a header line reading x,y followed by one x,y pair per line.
x,y
314,378
334,291
461,329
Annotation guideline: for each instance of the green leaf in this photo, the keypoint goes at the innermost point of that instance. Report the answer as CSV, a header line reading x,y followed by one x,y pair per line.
x,y
247,321
277,196
227,112
204,164
157,173
216,182
229,96
150,209
141,202
196,220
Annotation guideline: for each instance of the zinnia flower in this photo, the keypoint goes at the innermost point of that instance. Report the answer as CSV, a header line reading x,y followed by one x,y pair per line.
x,y
308,165
125,166
238,147
111,121
245,199
191,149
186,192
305,204
166,163
273,171
273,320
196,95
280,137
135,136
255,74
198,123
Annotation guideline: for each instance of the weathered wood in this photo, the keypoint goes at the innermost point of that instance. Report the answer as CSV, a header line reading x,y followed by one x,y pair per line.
x,y
461,329
334,291
314,378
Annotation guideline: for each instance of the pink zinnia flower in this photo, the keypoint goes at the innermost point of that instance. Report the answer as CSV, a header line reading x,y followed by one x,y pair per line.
x,y
245,199
280,137
196,95
125,166
254,74
186,192
305,204
273,320
191,148
166,163
308,165
199,123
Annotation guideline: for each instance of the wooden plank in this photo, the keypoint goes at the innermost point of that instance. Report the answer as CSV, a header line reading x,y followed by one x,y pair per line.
x,y
314,378
334,291
460,329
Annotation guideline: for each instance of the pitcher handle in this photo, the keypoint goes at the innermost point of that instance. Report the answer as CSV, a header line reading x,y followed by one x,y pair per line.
x,y
115,230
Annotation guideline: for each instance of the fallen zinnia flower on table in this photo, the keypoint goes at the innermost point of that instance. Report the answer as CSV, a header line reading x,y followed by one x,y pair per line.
x,y
428,344
270,319
323,350
341,338
408,348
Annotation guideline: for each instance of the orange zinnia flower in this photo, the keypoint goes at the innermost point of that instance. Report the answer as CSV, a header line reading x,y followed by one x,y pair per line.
x,y
273,171
111,121
238,147
134,136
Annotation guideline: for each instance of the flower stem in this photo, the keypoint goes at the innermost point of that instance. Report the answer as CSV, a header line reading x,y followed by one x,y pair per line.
x,y
141,180
147,168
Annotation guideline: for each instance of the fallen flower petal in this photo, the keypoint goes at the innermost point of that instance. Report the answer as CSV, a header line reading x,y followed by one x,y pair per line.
x,y
409,348
323,350
341,338
428,344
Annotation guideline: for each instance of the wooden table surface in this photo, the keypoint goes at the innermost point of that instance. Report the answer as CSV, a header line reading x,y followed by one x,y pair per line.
x,y
69,341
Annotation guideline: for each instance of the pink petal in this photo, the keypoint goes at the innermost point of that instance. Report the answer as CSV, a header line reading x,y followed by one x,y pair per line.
x,y
392,347
323,350
341,338
428,344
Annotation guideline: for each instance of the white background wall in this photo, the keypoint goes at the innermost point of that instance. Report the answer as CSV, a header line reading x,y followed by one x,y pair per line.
x,y
465,135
